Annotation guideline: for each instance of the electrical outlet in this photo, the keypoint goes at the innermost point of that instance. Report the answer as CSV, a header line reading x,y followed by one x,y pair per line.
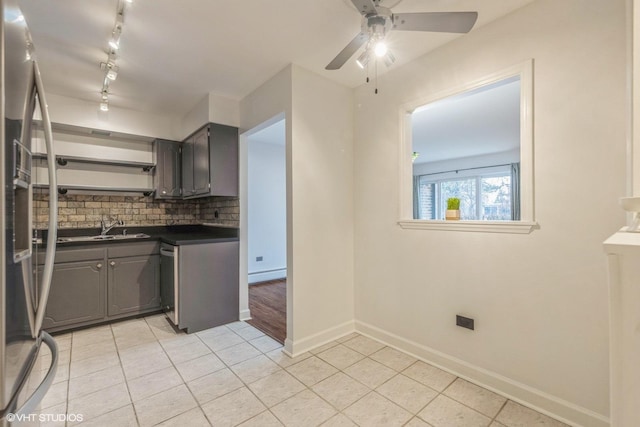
x,y
465,322
258,258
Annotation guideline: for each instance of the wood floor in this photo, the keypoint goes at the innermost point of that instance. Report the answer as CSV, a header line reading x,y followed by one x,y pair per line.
x,y
268,306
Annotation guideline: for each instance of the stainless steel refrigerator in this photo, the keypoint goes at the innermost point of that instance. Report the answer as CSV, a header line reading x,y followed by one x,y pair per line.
x,y
23,293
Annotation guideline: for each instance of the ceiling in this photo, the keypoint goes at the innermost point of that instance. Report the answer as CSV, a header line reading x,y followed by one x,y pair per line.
x,y
174,53
479,122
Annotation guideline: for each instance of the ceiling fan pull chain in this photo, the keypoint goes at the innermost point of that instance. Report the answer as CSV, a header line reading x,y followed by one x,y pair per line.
x,y
376,91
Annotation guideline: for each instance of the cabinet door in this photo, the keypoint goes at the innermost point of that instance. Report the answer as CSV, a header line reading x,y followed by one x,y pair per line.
x,y
224,160
77,293
209,285
187,168
168,169
201,177
134,284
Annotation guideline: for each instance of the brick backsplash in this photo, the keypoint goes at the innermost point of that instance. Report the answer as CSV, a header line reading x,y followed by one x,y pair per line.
x,y
85,211
228,209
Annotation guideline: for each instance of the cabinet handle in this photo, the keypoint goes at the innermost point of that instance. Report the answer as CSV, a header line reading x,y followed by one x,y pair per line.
x,y
99,266
112,263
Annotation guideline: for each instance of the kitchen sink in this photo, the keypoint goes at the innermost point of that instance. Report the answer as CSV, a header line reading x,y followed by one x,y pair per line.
x,y
101,237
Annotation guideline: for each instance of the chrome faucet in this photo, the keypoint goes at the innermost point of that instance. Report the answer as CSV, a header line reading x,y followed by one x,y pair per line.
x,y
106,228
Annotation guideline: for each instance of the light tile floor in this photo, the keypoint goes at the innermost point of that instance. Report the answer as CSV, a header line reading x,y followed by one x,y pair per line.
x,y
143,373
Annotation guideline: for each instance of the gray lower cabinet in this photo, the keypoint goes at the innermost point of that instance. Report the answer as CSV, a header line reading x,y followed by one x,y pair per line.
x,y
133,284
93,284
77,294
208,285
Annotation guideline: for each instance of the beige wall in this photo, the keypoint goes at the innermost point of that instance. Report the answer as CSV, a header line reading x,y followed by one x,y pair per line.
x,y
539,300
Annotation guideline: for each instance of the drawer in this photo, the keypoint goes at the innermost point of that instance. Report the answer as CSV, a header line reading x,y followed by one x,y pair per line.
x,y
77,253
133,249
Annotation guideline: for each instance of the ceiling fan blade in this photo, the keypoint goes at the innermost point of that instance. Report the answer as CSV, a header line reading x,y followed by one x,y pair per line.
x,y
364,6
347,52
442,22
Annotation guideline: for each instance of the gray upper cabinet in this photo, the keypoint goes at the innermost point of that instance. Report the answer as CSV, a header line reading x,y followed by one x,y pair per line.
x,y
201,162
168,171
210,162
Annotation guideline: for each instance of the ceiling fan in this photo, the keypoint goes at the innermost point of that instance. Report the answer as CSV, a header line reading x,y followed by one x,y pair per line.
x,y
377,21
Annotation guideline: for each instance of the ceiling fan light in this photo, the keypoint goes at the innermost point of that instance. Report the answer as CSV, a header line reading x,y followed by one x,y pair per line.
x,y
363,59
380,49
389,59
104,106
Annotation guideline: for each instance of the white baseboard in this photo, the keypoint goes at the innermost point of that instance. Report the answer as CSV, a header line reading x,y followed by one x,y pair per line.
x,y
293,349
528,396
263,276
245,315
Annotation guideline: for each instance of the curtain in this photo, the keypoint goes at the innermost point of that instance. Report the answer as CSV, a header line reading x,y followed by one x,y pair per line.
x,y
515,191
416,197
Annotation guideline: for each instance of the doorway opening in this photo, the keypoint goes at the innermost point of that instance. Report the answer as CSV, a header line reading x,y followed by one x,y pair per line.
x,y
266,228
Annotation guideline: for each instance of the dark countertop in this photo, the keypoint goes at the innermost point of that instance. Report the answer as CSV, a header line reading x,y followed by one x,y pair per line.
x,y
171,234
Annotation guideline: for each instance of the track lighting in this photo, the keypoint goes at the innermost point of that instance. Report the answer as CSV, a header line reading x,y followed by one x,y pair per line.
x,y
109,67
112,74
115,37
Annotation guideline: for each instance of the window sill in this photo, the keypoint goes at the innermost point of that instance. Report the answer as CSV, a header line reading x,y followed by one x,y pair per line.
x,y
511,227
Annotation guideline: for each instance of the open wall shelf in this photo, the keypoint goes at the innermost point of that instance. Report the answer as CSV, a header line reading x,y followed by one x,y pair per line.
x,y
63,160
89,189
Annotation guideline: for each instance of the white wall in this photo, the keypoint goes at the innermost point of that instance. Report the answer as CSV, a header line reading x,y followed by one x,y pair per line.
x,y
223,110
539,300
196,118
268,104
77,112
211,108
319,160
267,205
321,213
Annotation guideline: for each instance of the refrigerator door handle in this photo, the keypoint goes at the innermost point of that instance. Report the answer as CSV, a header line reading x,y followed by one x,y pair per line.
x,y
52,233
30,406
26,262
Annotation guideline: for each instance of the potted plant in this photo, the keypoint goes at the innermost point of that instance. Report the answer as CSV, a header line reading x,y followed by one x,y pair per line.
x,y
453,209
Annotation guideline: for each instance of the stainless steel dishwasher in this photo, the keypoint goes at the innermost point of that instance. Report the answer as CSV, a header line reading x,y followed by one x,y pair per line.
x,y
169,281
